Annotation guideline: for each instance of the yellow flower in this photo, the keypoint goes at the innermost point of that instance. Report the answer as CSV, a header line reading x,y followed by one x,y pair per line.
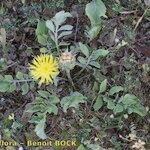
x,y
44,68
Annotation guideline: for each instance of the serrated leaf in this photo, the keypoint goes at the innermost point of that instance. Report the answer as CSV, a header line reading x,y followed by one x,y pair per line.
x,y
25,88
115,89
98,104
84,49
72,101
103,86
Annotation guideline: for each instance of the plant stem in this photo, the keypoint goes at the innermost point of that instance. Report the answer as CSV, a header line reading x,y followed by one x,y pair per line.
x,y
56,39
69,77
19,81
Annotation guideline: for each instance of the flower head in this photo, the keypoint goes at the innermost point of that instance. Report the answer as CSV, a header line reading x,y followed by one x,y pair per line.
x,y
44,68
67,60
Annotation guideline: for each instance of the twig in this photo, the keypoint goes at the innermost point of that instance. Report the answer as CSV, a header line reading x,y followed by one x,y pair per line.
x,y
128,12
140,19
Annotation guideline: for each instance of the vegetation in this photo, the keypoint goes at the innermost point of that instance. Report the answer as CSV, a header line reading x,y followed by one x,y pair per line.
x,y
75,70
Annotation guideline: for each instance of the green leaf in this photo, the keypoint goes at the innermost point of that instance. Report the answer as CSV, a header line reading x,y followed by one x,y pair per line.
x,y
72,101
95,64
65,28
84,49
110,105
118,108
103,86
8,78
115,89
52,109
82,60
42,39
81,147
40,127
12,87
25,88
138,109
41,28
130,99
4,86
94,10
44,94
37,108
19,75
61,17
64,33
54,99
50,25
99,53
93,32
98,104
133,104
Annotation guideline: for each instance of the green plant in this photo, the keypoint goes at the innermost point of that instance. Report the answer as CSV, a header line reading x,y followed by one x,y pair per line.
x,y
72,101
10,126
56,28
95,10
91,57
42,33
43,104
22,82
127,103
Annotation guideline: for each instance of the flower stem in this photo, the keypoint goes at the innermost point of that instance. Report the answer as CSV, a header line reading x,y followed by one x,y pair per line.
x,y
70,79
